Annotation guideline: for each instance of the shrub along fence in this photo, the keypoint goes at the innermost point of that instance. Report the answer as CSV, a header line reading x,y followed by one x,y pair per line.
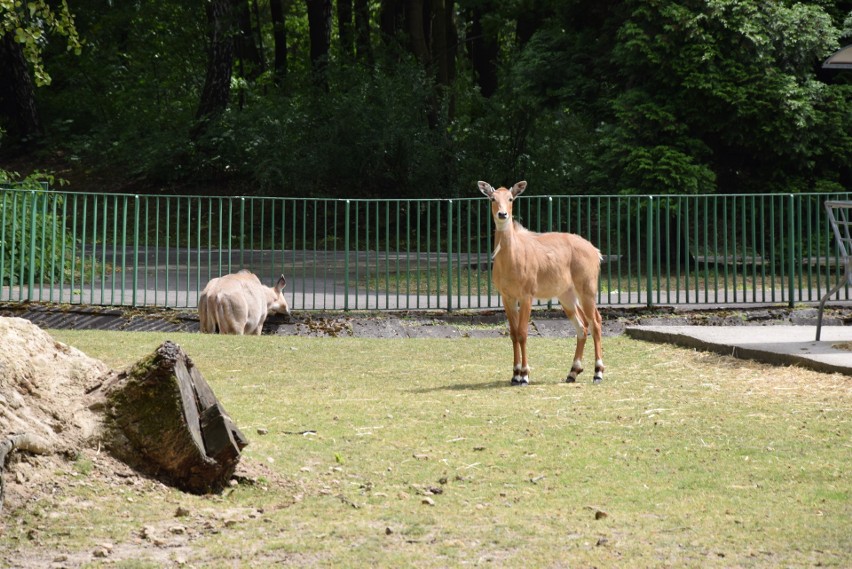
x,y
140,250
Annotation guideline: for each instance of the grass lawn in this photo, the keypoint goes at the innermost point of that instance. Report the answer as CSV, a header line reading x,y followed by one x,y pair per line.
x,y
418,453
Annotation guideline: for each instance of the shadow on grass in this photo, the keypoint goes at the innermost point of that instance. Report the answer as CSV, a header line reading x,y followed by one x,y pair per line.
x,y
467,387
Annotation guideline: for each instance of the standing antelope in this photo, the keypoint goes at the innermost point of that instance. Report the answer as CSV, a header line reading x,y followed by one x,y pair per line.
x,y
239,304
528,265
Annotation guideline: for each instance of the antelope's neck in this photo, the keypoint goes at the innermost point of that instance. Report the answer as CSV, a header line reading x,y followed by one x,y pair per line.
x,y
504,240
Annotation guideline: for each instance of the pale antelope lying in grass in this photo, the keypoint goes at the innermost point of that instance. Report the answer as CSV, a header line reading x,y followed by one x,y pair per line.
x,y
528,265
239,304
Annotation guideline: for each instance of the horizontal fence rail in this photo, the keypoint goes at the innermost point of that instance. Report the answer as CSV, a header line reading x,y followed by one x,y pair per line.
x,y
135,250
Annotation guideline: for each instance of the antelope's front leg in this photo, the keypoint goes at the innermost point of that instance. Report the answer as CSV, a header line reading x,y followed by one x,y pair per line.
x,y
512,316
522,368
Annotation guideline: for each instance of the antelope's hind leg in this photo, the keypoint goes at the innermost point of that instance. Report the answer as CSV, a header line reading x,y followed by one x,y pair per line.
x,y
597,330
578,318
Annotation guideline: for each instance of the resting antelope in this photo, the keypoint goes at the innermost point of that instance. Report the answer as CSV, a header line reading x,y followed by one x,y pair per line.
x,y
239,304
528,265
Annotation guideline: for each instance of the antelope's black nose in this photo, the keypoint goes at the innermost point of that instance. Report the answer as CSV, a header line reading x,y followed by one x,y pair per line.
x,y
502,215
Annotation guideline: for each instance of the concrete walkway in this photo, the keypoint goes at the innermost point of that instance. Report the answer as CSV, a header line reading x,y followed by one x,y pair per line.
x,y
778,345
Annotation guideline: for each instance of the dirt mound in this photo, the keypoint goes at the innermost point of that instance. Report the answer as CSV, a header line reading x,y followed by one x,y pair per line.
x,y
43,386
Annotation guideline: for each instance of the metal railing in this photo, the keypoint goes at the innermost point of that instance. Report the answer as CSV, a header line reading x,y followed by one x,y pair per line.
x,y
140,250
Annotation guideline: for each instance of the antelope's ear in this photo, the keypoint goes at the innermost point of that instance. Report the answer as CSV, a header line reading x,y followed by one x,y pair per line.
x,y
486,188
519,188
282,282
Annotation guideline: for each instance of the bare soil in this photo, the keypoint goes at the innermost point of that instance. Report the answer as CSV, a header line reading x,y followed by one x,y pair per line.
x,y
43,392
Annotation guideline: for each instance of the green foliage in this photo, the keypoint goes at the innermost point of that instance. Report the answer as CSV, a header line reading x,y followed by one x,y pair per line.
x,y
30,22
605,97
31,239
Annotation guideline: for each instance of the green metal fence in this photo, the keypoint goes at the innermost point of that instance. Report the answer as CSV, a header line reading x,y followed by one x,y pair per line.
x,y
134,250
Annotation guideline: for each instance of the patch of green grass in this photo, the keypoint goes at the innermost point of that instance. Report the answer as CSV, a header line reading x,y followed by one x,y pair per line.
x,y
398,453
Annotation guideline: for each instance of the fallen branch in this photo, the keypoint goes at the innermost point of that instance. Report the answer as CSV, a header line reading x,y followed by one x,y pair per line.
x,y
27,442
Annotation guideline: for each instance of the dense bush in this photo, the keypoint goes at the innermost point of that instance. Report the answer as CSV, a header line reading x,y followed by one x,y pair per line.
x,y
32,245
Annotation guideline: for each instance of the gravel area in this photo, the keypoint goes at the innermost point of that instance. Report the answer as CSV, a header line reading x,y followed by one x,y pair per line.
x,y
463,324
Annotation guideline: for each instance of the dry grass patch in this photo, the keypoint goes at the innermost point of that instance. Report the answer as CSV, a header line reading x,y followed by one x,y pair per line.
x,y
418,453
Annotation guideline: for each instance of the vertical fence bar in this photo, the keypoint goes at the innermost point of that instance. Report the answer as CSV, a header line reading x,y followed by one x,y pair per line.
x,y
43,243
649,251
346,224
13,278
449,255
83,248
791,257
123,248
135,298
31,275
20,255
21,244
3,209
54,218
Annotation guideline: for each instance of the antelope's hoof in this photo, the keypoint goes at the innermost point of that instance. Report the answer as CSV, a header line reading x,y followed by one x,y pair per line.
x,y
597,380
522,381
570,379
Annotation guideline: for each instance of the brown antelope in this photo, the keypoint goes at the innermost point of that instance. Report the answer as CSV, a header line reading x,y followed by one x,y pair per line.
x,y
528,265
239,304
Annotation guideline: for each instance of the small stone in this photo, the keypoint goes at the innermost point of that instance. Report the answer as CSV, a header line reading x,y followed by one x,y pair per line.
x,y
60,558
428,501
600,514
177,530
262,431
388,531
181,512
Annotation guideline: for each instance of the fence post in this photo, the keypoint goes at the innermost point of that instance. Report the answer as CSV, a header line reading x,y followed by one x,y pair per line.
x,y
791,257
649,252
346,224
136,249
449,255
242,232
32,229
549,228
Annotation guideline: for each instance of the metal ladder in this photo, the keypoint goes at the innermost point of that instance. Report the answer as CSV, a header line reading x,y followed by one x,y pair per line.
x,y
840,217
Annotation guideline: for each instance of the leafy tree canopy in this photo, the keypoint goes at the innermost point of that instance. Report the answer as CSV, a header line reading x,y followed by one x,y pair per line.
x,y
399,98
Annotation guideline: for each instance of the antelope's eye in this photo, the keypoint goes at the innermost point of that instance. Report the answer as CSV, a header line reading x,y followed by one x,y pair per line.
x,y
511,200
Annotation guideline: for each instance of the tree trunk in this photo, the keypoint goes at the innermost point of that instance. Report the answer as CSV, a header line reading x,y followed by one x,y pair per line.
x,y
279,37
483,52
364,50
319,22
17,93
444,51
528,22
163,419
391,17
217,84
345,31
246,46
417,32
